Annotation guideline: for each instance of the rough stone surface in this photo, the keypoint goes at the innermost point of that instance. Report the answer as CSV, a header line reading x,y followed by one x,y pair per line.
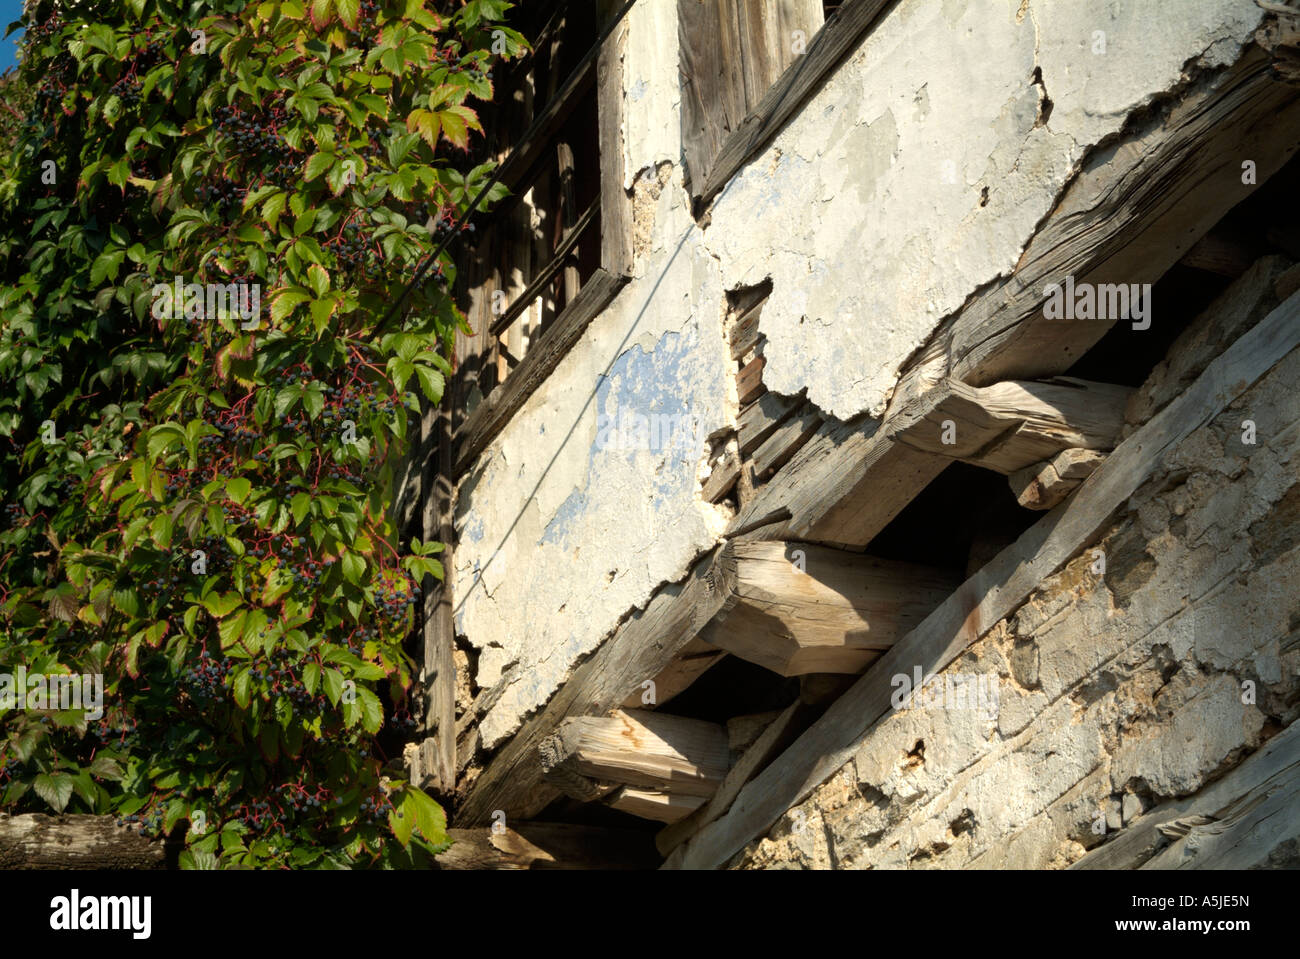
x,y
1118,689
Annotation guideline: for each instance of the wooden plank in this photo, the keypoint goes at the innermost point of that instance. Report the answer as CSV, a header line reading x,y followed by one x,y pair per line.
x,y
785,441
1043,485
637,747
744,333
749,381
777,735
1270,773
759,419
615,203
710,48
1130,214
696,658
722,478
1221,254
491,416
807,609
564,165
831,44
992,593
537,285
544,845
641,648
654,804
75,841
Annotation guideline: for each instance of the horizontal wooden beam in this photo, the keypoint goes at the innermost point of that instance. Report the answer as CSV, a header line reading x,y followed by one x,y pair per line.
x,y
655,803
636,747
992,593
1043,485
807,609
640,649
544,845
490,417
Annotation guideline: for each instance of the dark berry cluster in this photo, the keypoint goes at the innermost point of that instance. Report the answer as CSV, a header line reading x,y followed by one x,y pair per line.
x,y
127,88
149,824
206,679
122,732
257,135
377,807
403,721
11,768
259,816
356,254
226,196
394,599
13,513
301,798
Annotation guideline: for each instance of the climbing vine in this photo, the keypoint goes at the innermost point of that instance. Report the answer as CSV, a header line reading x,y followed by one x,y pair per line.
x,y
210,213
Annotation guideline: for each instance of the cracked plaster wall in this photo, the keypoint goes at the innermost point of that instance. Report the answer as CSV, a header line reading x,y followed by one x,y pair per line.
x,y
915,175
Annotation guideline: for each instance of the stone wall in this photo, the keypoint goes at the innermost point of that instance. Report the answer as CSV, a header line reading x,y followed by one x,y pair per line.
x,y
1150,665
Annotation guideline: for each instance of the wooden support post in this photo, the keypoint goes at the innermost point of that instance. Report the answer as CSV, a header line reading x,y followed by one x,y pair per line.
x,y
807,609
37,841
640,748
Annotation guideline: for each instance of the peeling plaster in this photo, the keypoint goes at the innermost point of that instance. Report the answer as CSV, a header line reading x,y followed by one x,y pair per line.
x,y
916,175
882,176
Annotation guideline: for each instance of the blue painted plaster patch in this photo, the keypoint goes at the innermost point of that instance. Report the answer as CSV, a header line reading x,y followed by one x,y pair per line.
x,y
658,386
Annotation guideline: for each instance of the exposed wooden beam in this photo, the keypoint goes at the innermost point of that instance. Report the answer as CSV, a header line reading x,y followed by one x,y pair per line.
x,y
775,737
992,593
696,658
1131,213
807,609
654,803
615,203
1222,820
490,417
640,649
1043,485
530,150
635,747
543,845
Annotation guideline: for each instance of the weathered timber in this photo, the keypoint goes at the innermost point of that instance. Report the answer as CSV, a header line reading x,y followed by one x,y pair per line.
x,y
615,204
1008,426
542,845
779,732
636,747
1220,254
640,649
744,333
696,658
992,593
1043,485
531,148
558,260
808,609
1215,826
829,46
490,417
731,52
1131,213
784,441
37,841
749,381
758,420
722,477
654,803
